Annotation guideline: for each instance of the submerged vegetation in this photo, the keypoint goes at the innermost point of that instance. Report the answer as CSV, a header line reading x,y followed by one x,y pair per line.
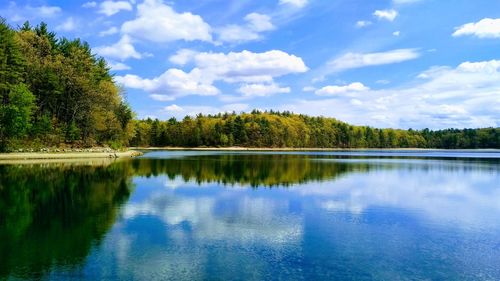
x,y
55,91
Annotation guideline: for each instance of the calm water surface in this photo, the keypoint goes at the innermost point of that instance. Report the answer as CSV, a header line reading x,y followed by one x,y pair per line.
x,y
254,216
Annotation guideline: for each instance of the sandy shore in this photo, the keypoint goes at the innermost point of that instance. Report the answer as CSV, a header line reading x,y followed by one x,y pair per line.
x,y
67,155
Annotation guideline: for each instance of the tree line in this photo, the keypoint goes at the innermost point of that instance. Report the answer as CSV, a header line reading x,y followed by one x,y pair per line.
x,y
55,91
286,129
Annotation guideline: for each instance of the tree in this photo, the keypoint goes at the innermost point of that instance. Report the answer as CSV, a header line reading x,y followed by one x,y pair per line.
x,y
11,61
16,116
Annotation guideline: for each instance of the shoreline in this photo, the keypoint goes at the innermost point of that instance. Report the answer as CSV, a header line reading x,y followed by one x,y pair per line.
x,y
238,148
68,155
138,151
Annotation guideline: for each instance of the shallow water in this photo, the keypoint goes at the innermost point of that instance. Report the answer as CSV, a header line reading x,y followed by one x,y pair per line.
x,y
190,215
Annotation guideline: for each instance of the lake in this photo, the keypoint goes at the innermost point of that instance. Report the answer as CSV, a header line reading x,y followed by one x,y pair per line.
x,y
219,215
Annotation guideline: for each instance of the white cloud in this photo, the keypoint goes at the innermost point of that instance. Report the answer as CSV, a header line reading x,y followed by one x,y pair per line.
x,y
68,25
485,28
172,84
255,69
255,23
396,33
91,4
121,50
363,23
236,33
259,22
295,3
383,82
47,11
484,66
182,56
308,89
193,110
158,22
20,14
117,66
110,8
109,31
466,96
334,90
262,90
159,97
357,60
389,15
246,66
356,102
174,108
398,2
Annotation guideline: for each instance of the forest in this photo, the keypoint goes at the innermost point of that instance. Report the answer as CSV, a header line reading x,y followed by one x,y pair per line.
x,y
286,129
55,92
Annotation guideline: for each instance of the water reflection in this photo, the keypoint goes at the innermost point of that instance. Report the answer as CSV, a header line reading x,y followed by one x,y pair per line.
x,y
52,215
252,216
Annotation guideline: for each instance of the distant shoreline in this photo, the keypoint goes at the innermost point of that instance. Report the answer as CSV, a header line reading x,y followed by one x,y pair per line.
x,y
238,148
138,151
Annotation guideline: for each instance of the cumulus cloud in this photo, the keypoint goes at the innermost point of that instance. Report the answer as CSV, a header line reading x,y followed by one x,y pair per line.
x,y
27,12
259,22
110,8
363,23
158,22
255,70
389,15
485,28
68,25
357,60
118,66
174,108
255,24
46,11
244,66
262,90
334,90
182,56
172,84
109,31
121,50
397,2
193,110
91,4
295,3
466,96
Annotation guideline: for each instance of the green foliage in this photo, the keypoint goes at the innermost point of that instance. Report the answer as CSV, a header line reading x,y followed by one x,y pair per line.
x,y
11,61
72,132
72,95
276,129
15,116
55,90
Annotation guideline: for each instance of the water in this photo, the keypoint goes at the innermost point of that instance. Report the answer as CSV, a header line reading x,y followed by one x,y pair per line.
x,y
254,216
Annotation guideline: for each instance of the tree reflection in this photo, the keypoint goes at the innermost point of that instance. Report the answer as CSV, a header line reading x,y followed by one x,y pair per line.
x,y
255,170
51,216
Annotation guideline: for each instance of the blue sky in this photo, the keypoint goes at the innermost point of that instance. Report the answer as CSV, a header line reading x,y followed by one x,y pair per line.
x,y
384,63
